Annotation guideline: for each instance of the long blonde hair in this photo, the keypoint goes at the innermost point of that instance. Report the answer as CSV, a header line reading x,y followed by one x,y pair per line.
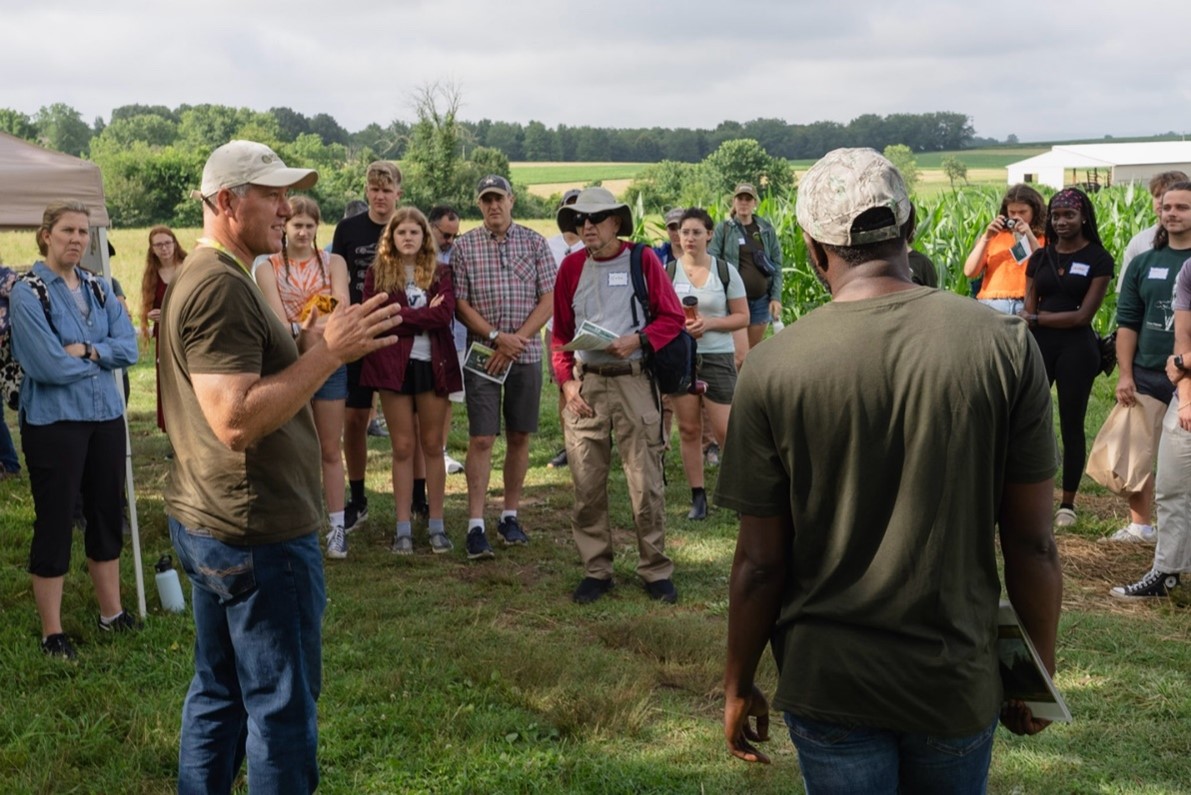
x,y
388,275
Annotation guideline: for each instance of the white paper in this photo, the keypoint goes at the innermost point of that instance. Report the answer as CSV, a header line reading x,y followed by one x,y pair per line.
x,y
1022,673
590,337
477,360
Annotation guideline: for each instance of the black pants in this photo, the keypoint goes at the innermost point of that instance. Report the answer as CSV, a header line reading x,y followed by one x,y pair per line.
x,y
66,460
1072,361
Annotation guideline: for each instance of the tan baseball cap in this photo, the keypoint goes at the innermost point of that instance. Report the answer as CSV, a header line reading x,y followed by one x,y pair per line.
x,y
247,162
745,189
844,184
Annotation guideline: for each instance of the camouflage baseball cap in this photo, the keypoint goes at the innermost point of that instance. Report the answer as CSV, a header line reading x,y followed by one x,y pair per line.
x,y
844,184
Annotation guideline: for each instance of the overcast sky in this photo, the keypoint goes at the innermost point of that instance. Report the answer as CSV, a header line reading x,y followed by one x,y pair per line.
x,y
1043,70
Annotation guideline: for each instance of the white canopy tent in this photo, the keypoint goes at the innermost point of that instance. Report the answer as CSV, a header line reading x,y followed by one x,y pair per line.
x,y
30,179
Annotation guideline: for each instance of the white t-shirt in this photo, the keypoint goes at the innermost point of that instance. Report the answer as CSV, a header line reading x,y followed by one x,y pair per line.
x,y
713,302
417,299
1140,243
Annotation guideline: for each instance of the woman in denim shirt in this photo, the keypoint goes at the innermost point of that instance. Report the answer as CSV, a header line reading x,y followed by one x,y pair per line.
x,y
72,420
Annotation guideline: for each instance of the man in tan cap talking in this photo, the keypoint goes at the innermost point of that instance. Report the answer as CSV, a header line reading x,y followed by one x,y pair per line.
x,y
872,453
243,492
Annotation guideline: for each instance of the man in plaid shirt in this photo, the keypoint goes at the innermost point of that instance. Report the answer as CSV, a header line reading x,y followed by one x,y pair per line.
x,y
504,292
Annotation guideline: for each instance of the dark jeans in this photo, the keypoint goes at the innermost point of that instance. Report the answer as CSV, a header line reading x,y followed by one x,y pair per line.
x,y
8,453
258,614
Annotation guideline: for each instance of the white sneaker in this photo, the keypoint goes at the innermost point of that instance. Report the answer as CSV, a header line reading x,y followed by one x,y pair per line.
x,y
1133,533
453,466
337,543
1064,517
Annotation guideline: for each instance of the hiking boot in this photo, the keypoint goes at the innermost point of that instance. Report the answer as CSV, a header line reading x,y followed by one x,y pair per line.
x,y
511,533
1153,584
698,510
662,591
337,543
440,544
402,545
559,461
121,623
1133,533
1065,517
477,545
453,467
58,645
355,514
590,589
377,427
419,509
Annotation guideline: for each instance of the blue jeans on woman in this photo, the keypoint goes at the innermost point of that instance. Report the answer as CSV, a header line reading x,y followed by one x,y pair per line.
x,y
857,760
257,663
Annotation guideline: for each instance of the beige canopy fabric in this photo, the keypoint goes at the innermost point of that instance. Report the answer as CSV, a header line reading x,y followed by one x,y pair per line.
x,y
32,177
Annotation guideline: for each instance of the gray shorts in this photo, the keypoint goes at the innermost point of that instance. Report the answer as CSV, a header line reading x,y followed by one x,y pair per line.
x,y
522,398
719,371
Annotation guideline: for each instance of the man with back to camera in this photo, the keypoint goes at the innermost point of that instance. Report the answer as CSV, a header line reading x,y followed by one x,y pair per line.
x,y
877,588
1145,337
243,495
355,240
609,392
504,293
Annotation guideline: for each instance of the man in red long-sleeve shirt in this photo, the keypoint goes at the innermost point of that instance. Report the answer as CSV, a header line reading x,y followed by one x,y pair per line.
x,y
607,390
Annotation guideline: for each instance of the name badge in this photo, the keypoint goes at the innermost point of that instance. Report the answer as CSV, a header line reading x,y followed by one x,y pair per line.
x,y
618,279
682,289
1079,269
1159,273
741,242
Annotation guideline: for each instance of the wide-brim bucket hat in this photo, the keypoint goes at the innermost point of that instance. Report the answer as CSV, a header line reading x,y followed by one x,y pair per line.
x,y
596,200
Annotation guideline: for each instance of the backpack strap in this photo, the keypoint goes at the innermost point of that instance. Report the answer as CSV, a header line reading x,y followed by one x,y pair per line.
x,y
671,268
43,296
721,266
640,291
93,283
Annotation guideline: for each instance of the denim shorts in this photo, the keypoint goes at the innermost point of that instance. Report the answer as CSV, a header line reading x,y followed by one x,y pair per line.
x,y
759,311
1006,306
335,387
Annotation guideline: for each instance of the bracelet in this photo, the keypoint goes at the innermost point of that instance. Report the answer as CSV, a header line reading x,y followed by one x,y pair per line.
x,y
1184,405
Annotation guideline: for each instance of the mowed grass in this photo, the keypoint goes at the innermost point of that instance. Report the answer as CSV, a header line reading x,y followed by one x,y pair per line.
x,y
577,174
449,677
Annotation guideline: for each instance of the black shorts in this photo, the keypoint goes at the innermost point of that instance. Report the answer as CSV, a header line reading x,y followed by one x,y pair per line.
x,y
358,397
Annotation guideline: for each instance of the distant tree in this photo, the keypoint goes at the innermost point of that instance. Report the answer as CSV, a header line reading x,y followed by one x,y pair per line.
x,y
540,144
290,123
128,111
433,154
325,126
1011,140
954,168
126,130
508,138
61,127
387,142
903,159
16,123
745,160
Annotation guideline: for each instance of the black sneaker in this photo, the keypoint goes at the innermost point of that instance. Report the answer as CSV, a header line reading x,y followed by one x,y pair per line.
x,y
590,589
58,645
559,461
420,509
1153,584
355,514
698,510
662,591
511,532
121,623
477,545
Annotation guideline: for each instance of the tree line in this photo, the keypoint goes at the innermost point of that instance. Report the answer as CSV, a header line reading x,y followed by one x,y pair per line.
x,y
151,155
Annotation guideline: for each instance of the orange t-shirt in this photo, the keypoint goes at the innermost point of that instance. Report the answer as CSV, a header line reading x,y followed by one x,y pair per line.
x,y
1004,276
304,280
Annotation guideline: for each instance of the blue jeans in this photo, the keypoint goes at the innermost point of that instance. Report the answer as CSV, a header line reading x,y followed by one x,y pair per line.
x,y
257,663
1006,306
842,760
8,454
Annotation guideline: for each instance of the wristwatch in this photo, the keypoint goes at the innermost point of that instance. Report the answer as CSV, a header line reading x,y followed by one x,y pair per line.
x,y
492,335
87,349
1178,363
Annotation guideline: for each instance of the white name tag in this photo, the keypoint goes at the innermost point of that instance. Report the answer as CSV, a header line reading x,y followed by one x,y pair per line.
x,y
741,242
618,280
1159,273
682,289
1079,269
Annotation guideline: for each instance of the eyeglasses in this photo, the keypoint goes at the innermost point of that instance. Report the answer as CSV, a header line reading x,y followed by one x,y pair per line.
x,y
446,235
596,219
166,244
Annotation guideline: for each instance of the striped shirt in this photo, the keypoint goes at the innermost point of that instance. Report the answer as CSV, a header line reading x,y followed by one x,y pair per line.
x,y
300,282
504,280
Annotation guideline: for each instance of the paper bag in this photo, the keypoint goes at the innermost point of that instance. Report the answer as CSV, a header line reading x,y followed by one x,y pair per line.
x,y
1122,457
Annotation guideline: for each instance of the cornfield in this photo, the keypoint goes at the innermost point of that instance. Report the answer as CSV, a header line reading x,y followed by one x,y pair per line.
x,y
947,229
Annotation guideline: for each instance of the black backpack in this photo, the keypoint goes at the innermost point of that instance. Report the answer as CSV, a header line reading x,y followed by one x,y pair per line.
x,y
673,366
721,267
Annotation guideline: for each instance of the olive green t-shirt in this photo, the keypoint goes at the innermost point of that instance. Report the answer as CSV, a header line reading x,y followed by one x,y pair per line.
x,y
214,320
886,429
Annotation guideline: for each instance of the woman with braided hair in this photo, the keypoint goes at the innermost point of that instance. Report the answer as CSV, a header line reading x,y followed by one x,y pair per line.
x,y
1065,284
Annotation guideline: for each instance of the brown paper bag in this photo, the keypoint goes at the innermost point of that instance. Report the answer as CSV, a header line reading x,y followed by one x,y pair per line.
x,y
1122,457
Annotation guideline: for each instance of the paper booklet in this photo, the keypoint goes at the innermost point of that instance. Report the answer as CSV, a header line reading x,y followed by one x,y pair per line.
x,y
590,337
1023,675
477,362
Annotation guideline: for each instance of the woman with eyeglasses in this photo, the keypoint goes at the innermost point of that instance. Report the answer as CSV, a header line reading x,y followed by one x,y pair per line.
x,y
162,260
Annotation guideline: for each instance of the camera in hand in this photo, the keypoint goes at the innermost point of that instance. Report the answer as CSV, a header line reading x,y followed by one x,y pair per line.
x,y
1010,223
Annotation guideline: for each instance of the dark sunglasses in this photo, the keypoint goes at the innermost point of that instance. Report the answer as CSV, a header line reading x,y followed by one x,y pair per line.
x,y
596,219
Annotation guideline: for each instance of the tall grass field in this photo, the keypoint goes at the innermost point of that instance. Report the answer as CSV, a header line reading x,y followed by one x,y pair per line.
x,y
444,676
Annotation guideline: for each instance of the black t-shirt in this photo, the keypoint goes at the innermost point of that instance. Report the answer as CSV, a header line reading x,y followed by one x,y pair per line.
x,y
355,240
1061,280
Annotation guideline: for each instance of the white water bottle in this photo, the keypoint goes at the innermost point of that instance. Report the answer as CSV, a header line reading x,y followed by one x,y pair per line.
x,y
778,325
169,590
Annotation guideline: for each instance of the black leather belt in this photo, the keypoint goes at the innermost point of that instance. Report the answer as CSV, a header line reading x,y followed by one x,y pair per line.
x,y
609,370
